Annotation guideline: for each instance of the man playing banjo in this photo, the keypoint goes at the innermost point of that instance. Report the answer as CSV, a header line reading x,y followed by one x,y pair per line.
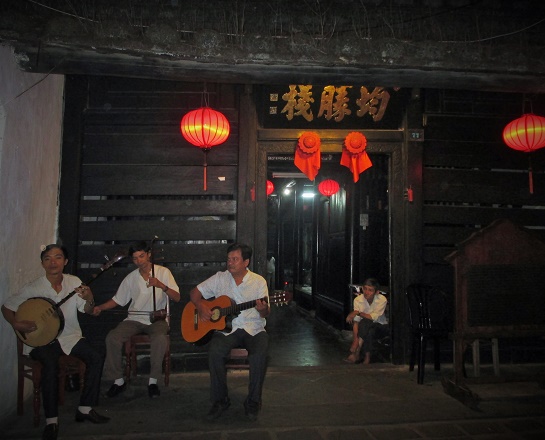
x,y
52,288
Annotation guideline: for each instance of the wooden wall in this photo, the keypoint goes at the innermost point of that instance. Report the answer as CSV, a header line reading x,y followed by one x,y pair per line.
x,y
128,174
470,177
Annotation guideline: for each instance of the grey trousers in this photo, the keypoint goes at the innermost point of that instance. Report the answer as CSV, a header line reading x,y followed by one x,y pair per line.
x,y
116,338
220,347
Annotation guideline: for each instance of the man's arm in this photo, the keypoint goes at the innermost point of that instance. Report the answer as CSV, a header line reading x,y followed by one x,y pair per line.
x,y
110,304
20,326
196,298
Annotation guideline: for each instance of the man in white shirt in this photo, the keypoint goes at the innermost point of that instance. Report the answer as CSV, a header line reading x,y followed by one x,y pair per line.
x,y
248,328
56,286
138,288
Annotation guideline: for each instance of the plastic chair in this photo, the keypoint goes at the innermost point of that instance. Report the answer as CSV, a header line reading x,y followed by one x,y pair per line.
x,y
28,368
428,319
141,343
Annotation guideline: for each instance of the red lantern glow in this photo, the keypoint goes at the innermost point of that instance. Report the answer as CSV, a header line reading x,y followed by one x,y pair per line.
x,y
328,187
526,133
270,187
205,128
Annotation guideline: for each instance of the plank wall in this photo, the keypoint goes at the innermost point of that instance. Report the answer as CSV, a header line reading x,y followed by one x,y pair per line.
x,y
138,178
470,177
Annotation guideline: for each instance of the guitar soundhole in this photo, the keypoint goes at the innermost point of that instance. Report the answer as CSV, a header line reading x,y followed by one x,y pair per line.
x,y
216,315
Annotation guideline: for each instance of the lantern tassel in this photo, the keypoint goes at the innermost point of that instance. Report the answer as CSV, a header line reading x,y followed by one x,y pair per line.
x,y
205,165
530,175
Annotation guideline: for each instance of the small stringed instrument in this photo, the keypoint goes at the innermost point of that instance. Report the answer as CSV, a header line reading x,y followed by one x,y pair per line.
x,y
47,314
194,329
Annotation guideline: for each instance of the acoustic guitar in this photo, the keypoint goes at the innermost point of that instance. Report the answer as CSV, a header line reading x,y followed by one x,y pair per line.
x,y
194,329
47,314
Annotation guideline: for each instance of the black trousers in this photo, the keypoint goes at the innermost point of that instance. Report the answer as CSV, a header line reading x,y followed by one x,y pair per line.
x,y
369,330
220,347
49,355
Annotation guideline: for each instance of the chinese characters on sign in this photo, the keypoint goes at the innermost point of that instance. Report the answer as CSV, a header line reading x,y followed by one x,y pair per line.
x,y
334,103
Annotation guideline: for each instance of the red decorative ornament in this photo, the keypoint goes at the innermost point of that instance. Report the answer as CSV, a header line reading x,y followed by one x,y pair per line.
x,y
307,154
354,156
328,187
270,187
526,134
205,128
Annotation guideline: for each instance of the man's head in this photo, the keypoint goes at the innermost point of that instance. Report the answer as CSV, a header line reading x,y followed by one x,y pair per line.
x,y
238,258
54,257
371,287
140,253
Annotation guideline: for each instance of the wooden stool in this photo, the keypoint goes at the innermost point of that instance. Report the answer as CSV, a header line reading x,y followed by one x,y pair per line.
x,y
238,359
140,343
476,351
69,365
28,368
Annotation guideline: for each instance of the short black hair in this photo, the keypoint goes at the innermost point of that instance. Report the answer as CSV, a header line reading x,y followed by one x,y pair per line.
x,y
245,250
139,246
54,246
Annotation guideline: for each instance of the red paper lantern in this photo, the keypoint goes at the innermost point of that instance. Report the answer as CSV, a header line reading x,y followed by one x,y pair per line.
x,y
270,187
205,128
328,187
526,134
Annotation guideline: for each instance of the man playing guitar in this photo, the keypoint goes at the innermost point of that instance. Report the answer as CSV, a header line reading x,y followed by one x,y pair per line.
x,y
55,286
248,328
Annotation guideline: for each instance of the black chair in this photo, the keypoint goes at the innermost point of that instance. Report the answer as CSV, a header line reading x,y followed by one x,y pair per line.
x,y
429,318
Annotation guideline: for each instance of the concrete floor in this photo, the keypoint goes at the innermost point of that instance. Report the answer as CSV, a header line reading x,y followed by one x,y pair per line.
x,y
310,393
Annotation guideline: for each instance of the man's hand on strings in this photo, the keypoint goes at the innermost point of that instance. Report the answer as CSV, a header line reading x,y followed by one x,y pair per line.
x,y
262,307
205,314
85,293
25,326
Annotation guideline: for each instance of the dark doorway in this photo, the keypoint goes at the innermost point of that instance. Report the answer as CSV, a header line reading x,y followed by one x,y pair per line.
x,y
323,244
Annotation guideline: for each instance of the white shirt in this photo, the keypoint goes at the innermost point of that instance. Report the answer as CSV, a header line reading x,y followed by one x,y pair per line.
x,y
253,287
375,309
134,289
41,287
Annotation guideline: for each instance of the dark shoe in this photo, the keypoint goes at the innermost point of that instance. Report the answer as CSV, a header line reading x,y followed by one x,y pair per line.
x,y
251,409
50,432
93,417
218,408
153,391
115,390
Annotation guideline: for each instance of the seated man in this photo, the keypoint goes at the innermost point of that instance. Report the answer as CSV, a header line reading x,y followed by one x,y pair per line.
x,y
57,286
248,329
148,282
367,319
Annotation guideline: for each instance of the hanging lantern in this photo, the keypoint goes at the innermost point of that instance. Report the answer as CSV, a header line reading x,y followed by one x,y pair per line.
x,y
205,128
270,187
328,187
526,134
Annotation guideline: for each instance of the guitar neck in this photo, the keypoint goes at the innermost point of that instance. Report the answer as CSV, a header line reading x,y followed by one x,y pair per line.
x,y
236,308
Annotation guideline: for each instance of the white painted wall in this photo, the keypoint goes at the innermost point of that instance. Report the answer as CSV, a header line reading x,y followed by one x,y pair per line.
x,y
30,152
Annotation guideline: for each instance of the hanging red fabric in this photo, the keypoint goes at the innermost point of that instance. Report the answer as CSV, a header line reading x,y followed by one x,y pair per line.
x,y
354,156
307,154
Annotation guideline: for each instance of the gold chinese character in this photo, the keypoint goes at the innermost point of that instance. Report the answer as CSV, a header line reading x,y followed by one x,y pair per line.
x,y
334,103
298,103
368,102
